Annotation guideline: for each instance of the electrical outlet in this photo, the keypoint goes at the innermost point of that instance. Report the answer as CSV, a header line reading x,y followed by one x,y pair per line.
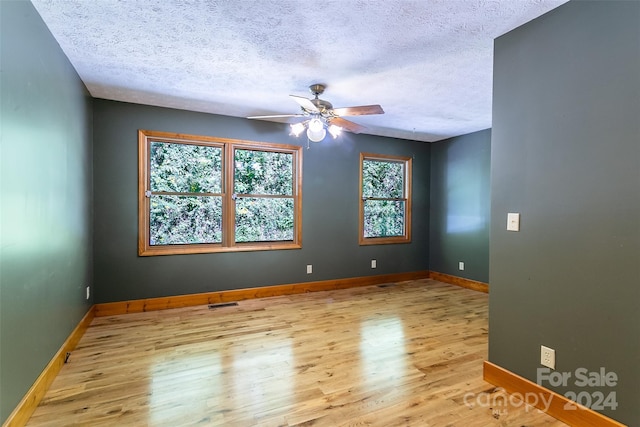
x,y
547,357
88,292
309,268
461,265
374,264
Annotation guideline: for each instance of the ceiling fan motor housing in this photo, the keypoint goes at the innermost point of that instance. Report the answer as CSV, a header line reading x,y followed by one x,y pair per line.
x,y
322,105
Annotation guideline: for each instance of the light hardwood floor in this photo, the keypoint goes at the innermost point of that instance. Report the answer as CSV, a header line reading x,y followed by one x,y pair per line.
x,y
408,354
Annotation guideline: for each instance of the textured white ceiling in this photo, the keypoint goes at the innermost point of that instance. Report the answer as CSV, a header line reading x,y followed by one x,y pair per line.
x,y
427,62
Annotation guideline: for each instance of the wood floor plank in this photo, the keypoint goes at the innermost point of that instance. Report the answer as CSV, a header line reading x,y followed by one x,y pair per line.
x,y
408,354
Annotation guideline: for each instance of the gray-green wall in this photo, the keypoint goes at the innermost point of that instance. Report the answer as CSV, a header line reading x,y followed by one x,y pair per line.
x,y
330,210
460,206
45,181
566,155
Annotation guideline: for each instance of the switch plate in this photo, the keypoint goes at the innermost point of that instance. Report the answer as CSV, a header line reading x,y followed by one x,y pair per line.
x,y
513,221
374,264
88,292
309,268
461,265
547,357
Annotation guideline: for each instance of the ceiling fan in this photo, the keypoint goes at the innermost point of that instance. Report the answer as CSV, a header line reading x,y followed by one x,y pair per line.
x,y
320,116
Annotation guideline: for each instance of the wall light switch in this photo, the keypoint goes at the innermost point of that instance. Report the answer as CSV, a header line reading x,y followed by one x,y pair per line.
x,y
374,264
309,268
513,222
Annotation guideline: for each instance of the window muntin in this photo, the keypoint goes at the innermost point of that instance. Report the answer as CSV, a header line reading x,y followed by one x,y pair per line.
x,y
385,199
203,194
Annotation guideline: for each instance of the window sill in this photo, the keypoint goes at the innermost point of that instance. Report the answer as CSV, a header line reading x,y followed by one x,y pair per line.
x,y
207,249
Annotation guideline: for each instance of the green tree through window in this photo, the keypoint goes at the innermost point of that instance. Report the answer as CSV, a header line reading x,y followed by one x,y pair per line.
x,y
385,199
186,194
263,186
205,194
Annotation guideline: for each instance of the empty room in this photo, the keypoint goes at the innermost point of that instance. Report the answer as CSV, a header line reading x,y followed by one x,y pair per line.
x,y
292,213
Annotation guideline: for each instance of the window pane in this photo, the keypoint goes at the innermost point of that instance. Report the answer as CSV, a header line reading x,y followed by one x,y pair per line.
x,y
182,168
177,220
382,179
264,219
383,218
263,172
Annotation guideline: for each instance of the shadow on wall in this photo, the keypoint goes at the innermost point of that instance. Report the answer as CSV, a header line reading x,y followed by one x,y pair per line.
x,y
460,205
465,207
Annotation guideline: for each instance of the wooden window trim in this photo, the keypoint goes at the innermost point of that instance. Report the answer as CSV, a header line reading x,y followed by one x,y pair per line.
x,y
406,238
145,137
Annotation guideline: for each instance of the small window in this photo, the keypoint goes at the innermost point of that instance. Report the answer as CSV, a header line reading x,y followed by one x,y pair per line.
x,y
202,194
385,199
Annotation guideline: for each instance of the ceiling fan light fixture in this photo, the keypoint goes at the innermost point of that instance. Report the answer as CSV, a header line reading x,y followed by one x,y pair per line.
x,y
297,129
316,125
335,131
316,136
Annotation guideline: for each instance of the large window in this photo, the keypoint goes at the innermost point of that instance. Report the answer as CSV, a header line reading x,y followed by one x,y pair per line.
x,y
385,199
202,194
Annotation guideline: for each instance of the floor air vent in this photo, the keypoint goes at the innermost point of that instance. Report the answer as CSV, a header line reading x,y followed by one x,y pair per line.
x,y
386,285
222,305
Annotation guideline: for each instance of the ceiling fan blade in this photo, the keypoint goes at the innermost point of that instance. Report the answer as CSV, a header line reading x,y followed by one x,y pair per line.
x,y
276,116
305,103
362,110
347,125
